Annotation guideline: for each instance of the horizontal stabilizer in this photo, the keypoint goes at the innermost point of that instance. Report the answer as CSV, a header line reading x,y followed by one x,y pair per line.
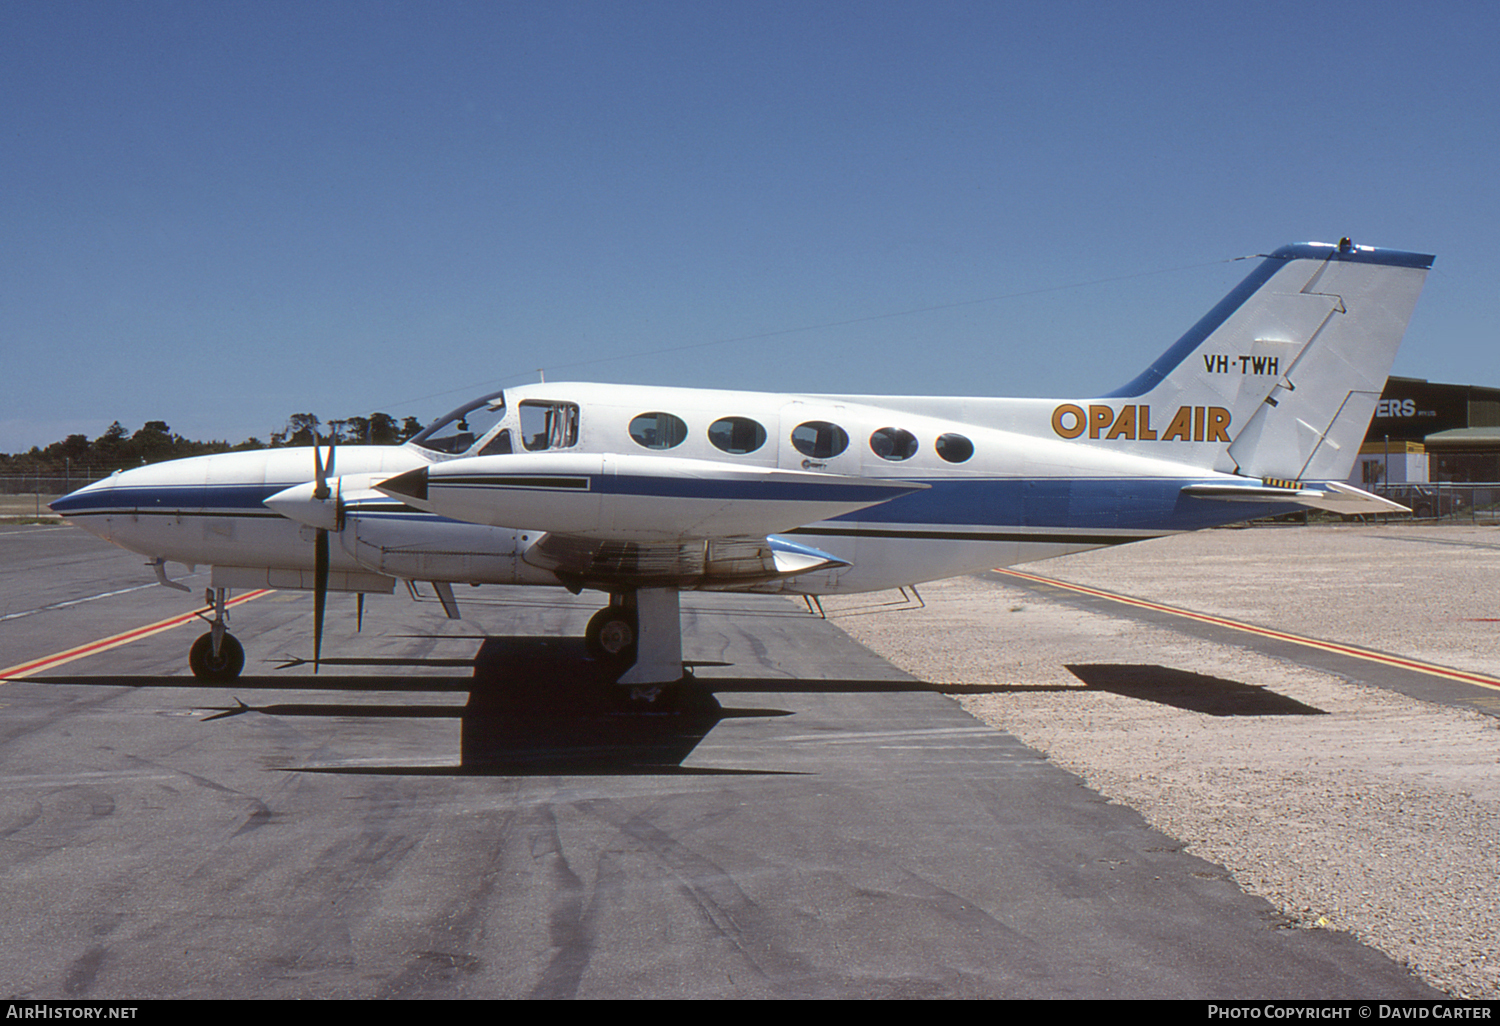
x,y
1342,498
1332,496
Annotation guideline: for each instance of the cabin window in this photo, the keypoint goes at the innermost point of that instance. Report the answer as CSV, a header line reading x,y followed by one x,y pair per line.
x,y
895,444
547,425
954,448
819,439
658,430
736,435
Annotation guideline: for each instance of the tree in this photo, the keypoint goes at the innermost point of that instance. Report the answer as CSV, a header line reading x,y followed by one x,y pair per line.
x,y
112,446
152,442
356,431
383,429
301,429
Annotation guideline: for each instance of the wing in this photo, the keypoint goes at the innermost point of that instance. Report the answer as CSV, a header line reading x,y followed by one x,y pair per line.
x,y
609,520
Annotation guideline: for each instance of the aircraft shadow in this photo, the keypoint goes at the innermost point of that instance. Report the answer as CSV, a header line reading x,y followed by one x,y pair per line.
x,y
536,706
543,706
1195,692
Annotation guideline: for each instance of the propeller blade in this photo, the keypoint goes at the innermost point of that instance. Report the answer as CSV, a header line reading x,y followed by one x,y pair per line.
x,y
320,593
320,472
322,492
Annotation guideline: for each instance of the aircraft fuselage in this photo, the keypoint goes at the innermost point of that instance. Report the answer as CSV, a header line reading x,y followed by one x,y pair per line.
x,y
993,496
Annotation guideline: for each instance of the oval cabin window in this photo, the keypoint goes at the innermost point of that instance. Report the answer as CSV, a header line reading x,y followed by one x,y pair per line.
x,y
819,439
658,430
736,435
954,448
895,444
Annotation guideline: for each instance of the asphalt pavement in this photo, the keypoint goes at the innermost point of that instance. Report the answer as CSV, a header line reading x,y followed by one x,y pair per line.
x,y
841,830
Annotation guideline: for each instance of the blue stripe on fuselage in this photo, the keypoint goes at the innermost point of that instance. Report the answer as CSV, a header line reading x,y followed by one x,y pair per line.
x,y
244,499
1136,504
1130,504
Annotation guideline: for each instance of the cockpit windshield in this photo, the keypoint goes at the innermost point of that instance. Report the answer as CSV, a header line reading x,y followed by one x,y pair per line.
x,y
458,431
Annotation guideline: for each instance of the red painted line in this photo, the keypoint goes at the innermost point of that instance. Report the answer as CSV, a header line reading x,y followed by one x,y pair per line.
x,y
115,641
1433,669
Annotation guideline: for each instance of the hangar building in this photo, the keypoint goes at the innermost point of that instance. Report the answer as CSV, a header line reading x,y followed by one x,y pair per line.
x,y
1424,431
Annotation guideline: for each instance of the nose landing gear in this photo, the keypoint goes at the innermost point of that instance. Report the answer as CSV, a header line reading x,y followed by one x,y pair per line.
x,y
217,655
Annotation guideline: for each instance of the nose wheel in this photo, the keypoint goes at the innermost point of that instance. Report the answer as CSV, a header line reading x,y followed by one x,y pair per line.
x,y
226,664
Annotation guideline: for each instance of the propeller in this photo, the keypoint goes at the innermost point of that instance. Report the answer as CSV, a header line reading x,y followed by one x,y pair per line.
x,y
318,504
322,492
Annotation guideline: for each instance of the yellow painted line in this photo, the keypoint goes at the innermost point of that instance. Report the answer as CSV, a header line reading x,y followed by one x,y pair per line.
x,y
1354,651
105,644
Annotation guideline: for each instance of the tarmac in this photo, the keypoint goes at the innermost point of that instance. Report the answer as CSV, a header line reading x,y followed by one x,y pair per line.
x,y
1315,709
844,827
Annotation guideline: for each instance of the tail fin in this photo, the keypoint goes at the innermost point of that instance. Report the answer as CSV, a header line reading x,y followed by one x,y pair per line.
x,y
1288,367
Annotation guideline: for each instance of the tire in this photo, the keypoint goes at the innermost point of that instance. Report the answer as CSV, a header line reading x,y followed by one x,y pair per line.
x,y
227,667
611,635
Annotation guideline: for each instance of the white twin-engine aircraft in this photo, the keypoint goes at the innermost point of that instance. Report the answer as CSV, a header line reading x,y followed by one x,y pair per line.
x,y
642,493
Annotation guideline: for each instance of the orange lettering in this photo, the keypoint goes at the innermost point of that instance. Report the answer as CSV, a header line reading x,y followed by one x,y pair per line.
x,y
1218,424
1178,429
1143,431
1124,424
1080,420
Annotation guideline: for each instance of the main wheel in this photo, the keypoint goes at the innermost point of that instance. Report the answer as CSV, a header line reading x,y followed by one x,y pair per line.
x,y
611,634
227,666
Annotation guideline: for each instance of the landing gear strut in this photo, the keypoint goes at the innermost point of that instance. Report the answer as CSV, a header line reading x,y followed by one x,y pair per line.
x,y
217,656
640,632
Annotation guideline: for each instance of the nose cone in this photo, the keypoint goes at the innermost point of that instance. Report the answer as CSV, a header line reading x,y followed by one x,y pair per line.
x,y
410,485
96,507
95,498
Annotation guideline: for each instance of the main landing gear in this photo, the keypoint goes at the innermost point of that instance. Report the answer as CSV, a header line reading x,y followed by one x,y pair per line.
x,y
217,655
640,632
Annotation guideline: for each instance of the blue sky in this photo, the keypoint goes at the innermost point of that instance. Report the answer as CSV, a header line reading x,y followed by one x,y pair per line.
x,y
219,214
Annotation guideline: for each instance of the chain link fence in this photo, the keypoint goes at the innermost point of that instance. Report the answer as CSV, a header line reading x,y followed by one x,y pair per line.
x,y
27,495
1473,501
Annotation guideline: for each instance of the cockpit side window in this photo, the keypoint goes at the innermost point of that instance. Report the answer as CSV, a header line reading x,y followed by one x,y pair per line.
x,y
459,430
548,425
498,446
